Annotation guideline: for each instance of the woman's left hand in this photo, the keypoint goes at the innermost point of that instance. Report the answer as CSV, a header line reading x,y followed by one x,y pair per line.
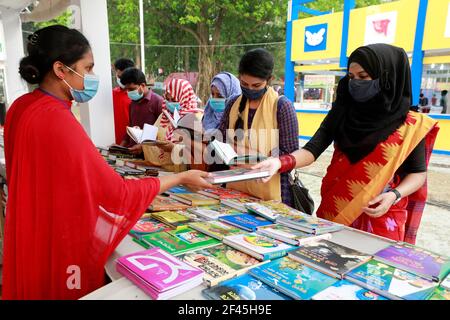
x,y
384,202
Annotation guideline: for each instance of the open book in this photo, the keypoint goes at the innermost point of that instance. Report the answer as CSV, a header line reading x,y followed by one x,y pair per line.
x,y
229,156
140,135
173,119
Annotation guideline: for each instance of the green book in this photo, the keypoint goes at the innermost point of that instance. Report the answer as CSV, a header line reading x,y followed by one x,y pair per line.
x,y
181,240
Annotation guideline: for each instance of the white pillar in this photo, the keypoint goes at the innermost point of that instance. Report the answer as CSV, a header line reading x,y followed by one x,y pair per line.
x,y
12,32
141,23
97,115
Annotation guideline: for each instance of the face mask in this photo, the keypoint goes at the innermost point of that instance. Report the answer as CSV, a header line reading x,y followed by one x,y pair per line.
x,y
135,95
90,81
217,104
171,106
363,90
120,83
253,94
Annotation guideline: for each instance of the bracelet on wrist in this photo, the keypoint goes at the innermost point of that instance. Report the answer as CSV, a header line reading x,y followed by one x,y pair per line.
x,y
288,163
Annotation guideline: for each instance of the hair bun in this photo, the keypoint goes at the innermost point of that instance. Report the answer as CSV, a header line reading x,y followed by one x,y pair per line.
x,y
29,72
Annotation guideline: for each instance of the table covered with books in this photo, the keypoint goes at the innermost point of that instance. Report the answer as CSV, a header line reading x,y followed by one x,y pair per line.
x,y
221,244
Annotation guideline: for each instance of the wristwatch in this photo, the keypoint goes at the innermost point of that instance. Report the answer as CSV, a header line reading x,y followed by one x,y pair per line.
x,y
398,195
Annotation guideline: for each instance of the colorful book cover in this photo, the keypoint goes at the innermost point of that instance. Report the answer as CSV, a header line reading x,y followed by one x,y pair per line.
x,y
148,225
178,190
391,282
440,293
239,203
308,223
161,203
216,229
346,290
329,257
272,209
417,260
195,199
159,269
258,246
246,221
220,262
180,240
291,236
171,218
292,278
244,287
223,193
214,212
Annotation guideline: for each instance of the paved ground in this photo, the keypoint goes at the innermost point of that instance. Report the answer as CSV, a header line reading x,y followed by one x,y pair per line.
x,y
434,231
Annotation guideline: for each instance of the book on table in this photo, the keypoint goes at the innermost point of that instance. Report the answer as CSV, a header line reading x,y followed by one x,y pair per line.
x,y
171,218
229,157
239,203
236,175
440,293
329,257
245,221
423,262
223,193
290,236
307,223
220,263
391,282
261,247
346,290
177,190
195,199
162,203
127,171
181,240
215,229
147,134
159,274
244,287
213,212
292,278
146,226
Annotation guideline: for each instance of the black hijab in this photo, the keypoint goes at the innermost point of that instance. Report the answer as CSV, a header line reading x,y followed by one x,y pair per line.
x,y
357,127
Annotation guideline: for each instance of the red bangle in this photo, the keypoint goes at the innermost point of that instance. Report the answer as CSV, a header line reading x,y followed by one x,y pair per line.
x,y
288,163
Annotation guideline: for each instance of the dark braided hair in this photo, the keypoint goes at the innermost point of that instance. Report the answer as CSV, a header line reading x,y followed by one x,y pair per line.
x,y
48,45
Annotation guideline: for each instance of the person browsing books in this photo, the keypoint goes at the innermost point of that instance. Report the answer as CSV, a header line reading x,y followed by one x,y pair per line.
x,y
270,120
145,106
223,87
121,101
67,208
376,181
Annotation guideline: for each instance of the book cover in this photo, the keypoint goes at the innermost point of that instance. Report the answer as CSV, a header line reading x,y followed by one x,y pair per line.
x,y
220,262
195,199
246,221
159,269
307,223
291,236
272,209
416,260
440,293
161,203
329,257
216,229
260,247
241,174
292,278
171,218
180,240
391,282
346,290
213,212
178,190
244,287
223,193
148,225
239,203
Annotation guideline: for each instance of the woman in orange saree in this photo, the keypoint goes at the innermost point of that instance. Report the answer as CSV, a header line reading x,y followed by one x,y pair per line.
x,y
376,181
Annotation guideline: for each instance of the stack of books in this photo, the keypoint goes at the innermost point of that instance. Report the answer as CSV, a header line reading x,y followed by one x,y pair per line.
x,y
216,229
308,224
223,193
162,203
291,236
246,221
239,203
171,218
146,226
159,274
213,212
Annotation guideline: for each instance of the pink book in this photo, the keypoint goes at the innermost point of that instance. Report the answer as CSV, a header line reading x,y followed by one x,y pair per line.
x,y
159,269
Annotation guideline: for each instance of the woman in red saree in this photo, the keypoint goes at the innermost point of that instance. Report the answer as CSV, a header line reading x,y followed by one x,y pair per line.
x,y
67,209
376,181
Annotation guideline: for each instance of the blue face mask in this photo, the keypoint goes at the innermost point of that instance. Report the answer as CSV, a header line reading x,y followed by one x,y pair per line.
x,y
90,81
217,104
253,94
171,106
135,95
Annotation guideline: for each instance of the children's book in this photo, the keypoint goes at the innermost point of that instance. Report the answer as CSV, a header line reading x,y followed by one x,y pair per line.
x,y
171,218
148,225
291,236
223,193
235,175
292,278
417,260
391,282
216,229
346,290
260,247
195,199
220,263
239,203
158,273
307,223
179,241
329,257
161,203
213,212
244,287
246,221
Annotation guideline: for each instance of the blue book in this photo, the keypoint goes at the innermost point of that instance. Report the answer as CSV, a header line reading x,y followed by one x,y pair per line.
x,y
244,287
346,290
246,221
391,282
292,278
178,190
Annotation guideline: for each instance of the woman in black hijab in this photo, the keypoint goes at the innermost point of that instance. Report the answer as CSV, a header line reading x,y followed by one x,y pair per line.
x,y
376,181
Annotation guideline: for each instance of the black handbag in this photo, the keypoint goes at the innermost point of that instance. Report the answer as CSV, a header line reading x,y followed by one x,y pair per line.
x,y
301,199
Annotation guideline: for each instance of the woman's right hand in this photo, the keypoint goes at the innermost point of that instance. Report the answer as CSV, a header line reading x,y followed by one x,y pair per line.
x,y
272,165
195,180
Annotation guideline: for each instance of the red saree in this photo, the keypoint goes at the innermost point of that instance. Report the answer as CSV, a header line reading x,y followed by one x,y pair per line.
x,y
347,187
67,209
